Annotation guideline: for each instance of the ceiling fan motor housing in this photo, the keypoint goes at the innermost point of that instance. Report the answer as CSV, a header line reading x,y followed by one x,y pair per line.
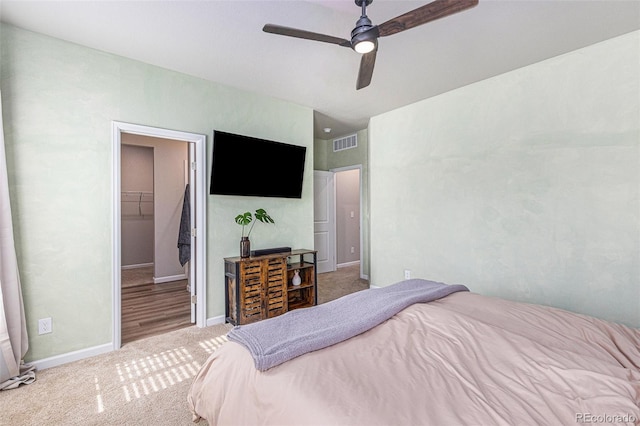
x,y
362,25
364,31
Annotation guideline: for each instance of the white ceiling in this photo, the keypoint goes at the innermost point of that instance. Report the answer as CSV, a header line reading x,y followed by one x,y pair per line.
x,y
222,41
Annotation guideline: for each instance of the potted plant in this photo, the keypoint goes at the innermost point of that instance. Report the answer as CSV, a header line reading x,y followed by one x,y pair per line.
x,y
245,219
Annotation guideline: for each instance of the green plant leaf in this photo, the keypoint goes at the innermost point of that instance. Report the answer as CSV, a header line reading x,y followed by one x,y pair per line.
x,y
244,219
263,216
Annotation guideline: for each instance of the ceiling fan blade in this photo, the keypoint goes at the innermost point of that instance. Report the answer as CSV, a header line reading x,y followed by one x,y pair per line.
x,y
307,35
366,69
429,12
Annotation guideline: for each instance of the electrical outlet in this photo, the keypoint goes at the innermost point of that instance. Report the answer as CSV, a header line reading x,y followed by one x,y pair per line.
x,y
353,250
407,274
44,326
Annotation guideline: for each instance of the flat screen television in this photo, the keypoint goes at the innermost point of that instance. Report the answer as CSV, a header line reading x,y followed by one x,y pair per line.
x,y
242,165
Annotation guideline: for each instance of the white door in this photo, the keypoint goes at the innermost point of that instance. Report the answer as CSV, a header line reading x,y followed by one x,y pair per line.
x,y
324,220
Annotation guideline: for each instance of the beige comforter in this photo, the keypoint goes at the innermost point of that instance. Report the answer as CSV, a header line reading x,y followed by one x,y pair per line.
x,y
462,360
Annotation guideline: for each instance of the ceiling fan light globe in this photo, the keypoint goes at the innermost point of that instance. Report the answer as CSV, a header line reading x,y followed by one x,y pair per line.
x,y
364,46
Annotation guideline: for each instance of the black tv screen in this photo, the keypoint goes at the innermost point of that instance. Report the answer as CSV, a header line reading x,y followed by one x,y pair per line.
x,y
242,165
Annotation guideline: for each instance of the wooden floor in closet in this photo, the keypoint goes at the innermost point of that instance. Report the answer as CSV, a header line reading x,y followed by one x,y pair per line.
x,y
150,309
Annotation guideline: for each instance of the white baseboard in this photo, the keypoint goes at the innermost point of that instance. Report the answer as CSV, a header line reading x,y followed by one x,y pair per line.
x,y
139,265
220,319
57,360
344,265
169,279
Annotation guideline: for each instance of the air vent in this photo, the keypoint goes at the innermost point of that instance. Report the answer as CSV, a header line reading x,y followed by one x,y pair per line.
x,y
346,142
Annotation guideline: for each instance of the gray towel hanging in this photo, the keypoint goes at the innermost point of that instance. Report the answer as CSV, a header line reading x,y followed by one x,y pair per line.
x,y
184,234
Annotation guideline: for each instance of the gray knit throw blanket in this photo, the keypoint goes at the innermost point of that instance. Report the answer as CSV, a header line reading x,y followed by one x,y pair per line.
x,y
276,340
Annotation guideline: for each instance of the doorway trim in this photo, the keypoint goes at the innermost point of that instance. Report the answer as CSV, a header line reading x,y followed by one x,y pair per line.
x,y
199,141
360,195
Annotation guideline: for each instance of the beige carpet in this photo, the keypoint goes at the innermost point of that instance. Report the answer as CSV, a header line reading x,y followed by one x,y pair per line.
x,y
332,285
144,383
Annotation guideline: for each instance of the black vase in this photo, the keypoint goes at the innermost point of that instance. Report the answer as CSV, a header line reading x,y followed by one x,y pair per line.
x,y
245,247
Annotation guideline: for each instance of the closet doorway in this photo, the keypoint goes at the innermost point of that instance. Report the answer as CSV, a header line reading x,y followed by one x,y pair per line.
x,y
155,283
158,212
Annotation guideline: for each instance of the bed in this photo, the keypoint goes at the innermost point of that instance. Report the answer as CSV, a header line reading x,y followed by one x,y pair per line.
x,y
462,359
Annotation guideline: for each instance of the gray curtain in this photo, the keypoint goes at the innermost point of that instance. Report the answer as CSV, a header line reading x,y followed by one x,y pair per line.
x,y
14,341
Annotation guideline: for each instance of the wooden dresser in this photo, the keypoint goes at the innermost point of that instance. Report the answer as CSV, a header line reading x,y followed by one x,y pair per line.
x,y
262,287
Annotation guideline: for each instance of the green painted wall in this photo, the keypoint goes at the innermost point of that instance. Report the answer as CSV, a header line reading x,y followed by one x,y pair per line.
x,y
58,102
320,154
524,186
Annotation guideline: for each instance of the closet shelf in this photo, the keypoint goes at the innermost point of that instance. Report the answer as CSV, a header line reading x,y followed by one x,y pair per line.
x,y
143,199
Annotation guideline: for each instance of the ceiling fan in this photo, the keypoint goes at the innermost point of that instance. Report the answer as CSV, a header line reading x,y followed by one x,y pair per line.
x,y
364,37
